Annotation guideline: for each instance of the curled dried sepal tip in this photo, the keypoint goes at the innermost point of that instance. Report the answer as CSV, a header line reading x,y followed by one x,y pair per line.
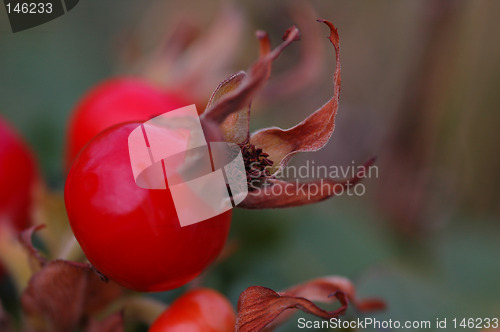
x,y
25,237
112,323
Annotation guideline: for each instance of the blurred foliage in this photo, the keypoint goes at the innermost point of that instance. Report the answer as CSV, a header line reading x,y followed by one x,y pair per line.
x,y
446,263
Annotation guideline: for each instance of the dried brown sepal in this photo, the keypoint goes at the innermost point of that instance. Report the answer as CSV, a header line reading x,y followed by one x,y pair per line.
x,y
264,42
36,259
191,56
236,126
312,133
256,165
319,290
257,76
260,306
136,45
113,323
281,194
5,320
62,295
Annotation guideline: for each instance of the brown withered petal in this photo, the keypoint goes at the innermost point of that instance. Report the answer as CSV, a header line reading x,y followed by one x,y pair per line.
x,y
236,126
113,323
312,133
257,76
260,306
36,259
61,295
282,194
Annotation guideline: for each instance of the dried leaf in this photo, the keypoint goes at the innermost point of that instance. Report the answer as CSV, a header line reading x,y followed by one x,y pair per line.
x,y
257,76
259,306
113,323
236,126
281,194
61,295
312,133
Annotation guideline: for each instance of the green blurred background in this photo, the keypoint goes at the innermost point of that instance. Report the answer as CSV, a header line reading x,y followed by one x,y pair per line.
x,y
420,91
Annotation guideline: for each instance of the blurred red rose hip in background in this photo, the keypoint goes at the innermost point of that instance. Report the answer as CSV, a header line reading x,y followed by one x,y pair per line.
x,y
115,101
18,178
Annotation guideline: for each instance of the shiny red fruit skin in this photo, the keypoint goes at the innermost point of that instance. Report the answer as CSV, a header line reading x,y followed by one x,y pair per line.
x,y
199,310
18,178
130,234
116,101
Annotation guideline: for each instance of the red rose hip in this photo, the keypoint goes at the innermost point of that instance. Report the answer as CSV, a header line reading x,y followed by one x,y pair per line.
x,y
18,178
199,310
130,234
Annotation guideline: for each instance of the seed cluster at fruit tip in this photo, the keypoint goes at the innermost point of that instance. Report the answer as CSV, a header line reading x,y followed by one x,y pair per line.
x,y
257,164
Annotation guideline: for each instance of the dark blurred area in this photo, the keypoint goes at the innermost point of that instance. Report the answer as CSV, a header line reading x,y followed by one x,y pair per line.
x,y
420,90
